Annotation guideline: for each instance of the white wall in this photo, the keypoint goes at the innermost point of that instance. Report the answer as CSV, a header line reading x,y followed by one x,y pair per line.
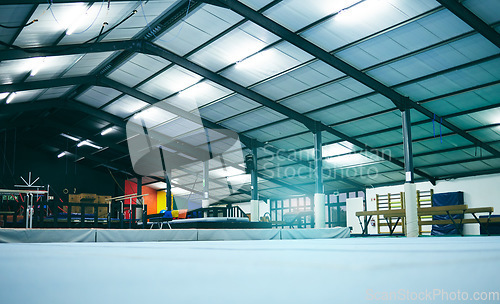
x,y
354,205
479,191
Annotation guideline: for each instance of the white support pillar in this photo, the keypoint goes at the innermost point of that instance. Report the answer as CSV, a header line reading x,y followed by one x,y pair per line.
x,y
319,195
205,203
319,210
254,210
411,210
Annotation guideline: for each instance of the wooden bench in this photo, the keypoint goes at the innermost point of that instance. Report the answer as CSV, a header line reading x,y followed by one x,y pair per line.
x,y
394,213
430,211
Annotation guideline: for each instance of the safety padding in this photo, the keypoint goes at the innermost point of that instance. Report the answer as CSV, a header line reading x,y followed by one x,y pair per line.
x,y
46,235
325,233
146,235
238,234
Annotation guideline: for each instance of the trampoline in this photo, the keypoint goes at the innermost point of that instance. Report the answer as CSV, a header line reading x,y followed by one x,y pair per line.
x,y
352,270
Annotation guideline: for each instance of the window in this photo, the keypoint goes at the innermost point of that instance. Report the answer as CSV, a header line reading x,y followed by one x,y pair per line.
x,y
283,210
335,210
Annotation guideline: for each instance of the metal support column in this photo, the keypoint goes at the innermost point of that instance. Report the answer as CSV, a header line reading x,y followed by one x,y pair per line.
x,y
205,202
410,188
319,195
139,210
168,194
254,203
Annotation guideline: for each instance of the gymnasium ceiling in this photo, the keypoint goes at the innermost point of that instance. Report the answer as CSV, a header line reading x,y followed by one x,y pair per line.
x,y
271,71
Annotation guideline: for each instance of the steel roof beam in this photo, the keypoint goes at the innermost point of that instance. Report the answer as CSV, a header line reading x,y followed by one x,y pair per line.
x,y
102,142
78,106
15,108
399,100
476,173
98,160
402,102
81,107
472,20
49,83
378,65
478,87
119,122
17,2
153,49
340,49
72,49
151,100
157,26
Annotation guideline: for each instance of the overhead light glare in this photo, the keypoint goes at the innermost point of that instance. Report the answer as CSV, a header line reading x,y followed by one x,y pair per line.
x,y
199,89
179,191
61,154
70,137
256,61
88,143
359,12
74,25
37,66
107,131
11,97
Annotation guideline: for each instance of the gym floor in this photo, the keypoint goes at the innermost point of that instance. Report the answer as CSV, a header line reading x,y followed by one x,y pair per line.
x,y
352,270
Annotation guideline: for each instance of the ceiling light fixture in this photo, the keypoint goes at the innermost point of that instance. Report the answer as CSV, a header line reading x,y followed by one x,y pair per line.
x,y
62,154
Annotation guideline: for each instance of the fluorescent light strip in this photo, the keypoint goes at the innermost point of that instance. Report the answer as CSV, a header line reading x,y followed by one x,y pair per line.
x,y
62,154
10,97
88,143
70,137
107,131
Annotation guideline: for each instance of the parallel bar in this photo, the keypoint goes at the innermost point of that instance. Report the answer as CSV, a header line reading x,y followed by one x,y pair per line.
x,y
24,191
133,195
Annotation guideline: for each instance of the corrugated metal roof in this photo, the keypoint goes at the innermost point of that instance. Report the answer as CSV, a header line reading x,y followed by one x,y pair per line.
x,y
221,70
